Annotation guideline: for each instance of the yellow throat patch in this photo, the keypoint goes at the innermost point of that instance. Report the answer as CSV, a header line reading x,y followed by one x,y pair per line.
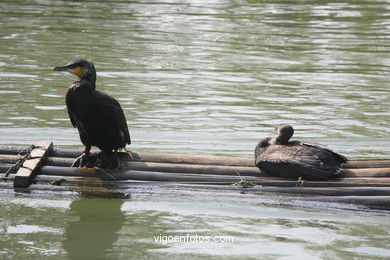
x,y
78,72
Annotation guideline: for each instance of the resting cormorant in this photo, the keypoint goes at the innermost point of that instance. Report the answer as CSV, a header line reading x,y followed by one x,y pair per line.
x,y
98,117
294,159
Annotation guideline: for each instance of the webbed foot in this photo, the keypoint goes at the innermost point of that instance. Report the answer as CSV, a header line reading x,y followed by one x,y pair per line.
x,y
83,161
108,160
130,154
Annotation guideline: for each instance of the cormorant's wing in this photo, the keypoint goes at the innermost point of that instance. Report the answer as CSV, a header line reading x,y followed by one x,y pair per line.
x,y
263,143
69,103
111,111
282,154
339,157
71,119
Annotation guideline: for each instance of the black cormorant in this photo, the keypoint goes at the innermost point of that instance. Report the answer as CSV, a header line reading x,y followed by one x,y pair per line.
x,y
294,159
98,117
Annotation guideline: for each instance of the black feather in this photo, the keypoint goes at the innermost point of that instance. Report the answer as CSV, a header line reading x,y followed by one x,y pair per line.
x,y
98,117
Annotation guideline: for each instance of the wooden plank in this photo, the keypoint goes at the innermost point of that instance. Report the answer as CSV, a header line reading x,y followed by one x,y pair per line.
x,y
32,164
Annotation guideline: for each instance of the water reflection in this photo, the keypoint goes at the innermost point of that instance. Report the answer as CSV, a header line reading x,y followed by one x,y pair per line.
x,y
93,227
116,229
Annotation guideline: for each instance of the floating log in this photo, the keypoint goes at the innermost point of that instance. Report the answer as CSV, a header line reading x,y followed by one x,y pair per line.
x,y
32,164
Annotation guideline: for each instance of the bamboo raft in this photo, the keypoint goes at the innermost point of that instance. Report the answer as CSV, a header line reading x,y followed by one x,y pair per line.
x,y
43,168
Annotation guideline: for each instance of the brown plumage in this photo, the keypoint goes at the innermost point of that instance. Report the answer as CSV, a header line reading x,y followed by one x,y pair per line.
x,y
294,159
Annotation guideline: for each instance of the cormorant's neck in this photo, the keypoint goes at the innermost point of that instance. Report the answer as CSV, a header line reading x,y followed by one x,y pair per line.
x,y
89,80
282,138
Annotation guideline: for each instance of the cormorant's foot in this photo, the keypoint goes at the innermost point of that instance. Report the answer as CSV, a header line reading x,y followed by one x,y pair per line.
x,y
243,183
129,153
85,160
108,160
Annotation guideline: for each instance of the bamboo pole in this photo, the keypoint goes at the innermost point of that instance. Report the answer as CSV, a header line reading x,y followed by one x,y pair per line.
x,y
205,178
141,175
212,160
179,159
192,168
367,163
7,149
366,172
166,158
202,169
84,191
115,185
9,158
171,167
363,182
374,201
5,167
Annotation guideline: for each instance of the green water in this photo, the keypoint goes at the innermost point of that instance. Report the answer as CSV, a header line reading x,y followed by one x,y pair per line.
x,y
198,78
116,229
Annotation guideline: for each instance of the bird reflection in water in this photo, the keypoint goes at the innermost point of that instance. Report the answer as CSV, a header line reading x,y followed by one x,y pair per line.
x,y
94,229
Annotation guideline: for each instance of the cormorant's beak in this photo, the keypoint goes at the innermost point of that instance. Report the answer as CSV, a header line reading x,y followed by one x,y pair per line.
x,y
64,68
76,71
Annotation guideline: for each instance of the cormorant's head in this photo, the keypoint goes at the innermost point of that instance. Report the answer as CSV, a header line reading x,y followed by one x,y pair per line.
x,y
81,68
265,142
285,132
